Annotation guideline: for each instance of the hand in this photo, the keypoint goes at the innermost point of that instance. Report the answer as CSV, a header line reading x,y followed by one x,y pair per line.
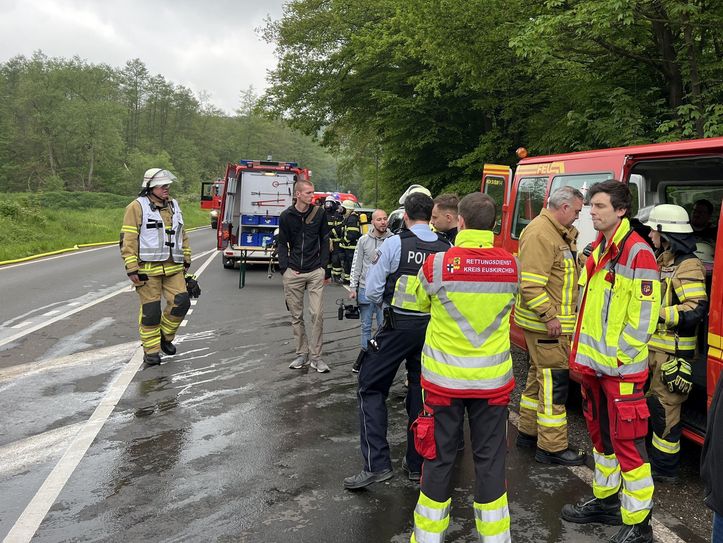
x,y
135,279
684,380
669,373
327,280
554,328
352,294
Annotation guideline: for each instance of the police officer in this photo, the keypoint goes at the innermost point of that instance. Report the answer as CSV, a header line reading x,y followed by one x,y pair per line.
x,y
672,347
350,234
392,279
155,250
466,366
620,302
334,217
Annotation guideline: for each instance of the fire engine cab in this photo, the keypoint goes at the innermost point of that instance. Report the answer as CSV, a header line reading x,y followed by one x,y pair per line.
x,y
255,192
211,192
675,173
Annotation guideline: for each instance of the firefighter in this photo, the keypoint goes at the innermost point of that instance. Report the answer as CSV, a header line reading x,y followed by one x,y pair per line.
x,y
545,311
620,302
155,250
350,234
334,218
392,279
466,366
672,347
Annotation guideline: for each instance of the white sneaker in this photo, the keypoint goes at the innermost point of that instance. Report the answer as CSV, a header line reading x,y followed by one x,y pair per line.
x,y
319,365
299,362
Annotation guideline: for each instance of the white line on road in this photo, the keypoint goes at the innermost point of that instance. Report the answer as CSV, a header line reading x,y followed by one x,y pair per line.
x,y
22,324
25,527
51,313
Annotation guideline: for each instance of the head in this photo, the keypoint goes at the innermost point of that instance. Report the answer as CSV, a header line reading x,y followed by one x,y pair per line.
x,y
666,220
565,205
330,204
702,214
610,202
417,208
379,221
348,206
157,181
303,192
444,212
477,211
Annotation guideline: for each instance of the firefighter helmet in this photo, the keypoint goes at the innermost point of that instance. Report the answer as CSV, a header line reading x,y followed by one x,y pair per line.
x,y
155,177
330,198
669,218
348,205
412,189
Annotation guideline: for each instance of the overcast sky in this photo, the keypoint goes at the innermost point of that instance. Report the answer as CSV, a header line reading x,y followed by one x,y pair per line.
x,y
206,45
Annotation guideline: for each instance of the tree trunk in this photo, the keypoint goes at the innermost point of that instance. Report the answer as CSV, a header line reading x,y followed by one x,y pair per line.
x,y
90,168
695,83
668,59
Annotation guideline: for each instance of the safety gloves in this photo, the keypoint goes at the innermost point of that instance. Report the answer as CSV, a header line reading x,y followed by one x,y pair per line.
x,y
194,291
676,375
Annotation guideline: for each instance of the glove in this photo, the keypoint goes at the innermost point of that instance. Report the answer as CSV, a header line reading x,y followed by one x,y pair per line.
x,y
194,291
668,373
684,380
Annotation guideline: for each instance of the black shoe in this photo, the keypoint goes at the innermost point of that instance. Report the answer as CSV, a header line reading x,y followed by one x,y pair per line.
x,y
366,478
568,457
168,347
593,510
526,441
634,533
660,477
152,359
414,476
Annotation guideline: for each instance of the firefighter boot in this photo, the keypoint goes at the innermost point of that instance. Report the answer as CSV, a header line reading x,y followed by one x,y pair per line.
x,y
152,359
167,347
604,511
634,533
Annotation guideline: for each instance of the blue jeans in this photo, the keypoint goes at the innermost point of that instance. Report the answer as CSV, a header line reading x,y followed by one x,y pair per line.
x,y
366,310
717,528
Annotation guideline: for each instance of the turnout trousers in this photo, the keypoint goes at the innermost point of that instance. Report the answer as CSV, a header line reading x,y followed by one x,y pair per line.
x,y
542,404
378,368
152,323
488,434
617,415
665,424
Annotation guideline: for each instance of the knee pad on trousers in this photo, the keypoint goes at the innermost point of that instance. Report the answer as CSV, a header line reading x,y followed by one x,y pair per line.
x,y
657,415
181,304
560,386
151,314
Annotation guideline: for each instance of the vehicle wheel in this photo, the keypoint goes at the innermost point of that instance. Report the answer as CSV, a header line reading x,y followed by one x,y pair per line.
x,y
228,263
214,224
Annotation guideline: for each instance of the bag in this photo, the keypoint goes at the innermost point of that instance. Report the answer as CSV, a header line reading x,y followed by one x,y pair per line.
x,y
423,430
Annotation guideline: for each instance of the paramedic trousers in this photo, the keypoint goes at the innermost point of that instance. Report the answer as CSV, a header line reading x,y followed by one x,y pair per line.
x,y
617,415
542,405
665,409
295,285
152,323
488,435
376,375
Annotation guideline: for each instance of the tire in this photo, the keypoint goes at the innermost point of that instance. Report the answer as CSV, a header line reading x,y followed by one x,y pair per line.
x,y
228,263
214,224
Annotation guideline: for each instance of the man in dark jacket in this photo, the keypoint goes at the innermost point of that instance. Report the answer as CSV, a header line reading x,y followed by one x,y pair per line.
x,y
711,462
303,258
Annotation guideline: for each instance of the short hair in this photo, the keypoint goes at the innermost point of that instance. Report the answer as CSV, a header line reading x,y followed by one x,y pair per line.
x,y
300,182
706,204
418,207
620,195
564,195
478,211
447,202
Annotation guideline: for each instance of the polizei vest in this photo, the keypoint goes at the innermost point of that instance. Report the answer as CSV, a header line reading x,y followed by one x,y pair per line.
x,y
156,242
400,288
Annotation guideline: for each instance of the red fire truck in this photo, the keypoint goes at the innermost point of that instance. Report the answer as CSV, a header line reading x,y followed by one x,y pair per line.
x,y
211,198
676,173
254,194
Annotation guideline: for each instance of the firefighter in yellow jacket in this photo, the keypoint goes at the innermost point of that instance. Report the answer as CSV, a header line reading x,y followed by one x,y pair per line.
x,y
672,347
546,310
155,250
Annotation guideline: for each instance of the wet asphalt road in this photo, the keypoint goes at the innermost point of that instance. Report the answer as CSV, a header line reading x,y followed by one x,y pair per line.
x,y
224,443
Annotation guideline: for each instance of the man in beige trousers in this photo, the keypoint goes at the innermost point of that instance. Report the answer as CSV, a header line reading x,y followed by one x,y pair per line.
x,y
303,257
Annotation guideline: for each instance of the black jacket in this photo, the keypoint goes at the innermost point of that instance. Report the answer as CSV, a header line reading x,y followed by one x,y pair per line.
x,y
303,244
711,459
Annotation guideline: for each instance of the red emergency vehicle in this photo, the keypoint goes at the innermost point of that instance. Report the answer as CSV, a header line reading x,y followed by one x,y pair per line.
x,y
319,197
675,173
254,194
211,198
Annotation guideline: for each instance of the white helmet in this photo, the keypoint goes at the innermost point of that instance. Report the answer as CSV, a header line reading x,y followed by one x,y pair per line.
x,y
330,198
412,189
348,204
704,251
155,177
669,218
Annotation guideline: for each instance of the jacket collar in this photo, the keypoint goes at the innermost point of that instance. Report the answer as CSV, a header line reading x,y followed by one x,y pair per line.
x,y
474,238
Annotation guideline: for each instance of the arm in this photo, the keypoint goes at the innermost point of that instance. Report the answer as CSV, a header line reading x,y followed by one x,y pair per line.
x,y
689,285
384,262
324,231
283,243
186,250
129,240
356,264
536,259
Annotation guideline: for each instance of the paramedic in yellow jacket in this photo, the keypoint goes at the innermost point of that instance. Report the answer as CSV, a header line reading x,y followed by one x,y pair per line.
x,y
545,310
155,250
672,347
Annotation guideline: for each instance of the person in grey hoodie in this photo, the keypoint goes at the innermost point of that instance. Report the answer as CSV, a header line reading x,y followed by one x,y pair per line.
x,y
365,251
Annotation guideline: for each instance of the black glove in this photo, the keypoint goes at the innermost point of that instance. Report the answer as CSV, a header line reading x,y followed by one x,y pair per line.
x,y
194,291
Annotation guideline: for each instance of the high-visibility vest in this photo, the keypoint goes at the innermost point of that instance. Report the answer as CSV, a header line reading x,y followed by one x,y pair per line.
x,y
470,291
620,293
157,242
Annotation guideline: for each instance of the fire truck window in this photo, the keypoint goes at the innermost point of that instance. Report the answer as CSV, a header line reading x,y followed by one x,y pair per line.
x,y
528,204
205,191
495,188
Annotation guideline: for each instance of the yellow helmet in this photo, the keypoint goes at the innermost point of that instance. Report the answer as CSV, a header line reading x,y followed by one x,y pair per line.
x,y
348,205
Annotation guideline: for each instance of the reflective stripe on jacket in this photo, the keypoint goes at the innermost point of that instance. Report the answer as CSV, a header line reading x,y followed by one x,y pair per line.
x,y
548,288
469,291
619,308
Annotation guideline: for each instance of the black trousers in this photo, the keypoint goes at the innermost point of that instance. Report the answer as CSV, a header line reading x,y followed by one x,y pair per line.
x,y
376,375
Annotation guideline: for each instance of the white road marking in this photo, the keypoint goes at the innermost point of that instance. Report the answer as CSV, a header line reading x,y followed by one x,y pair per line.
x,y
46,259
51,313
71,304
184,323
189,311
27,524
22,324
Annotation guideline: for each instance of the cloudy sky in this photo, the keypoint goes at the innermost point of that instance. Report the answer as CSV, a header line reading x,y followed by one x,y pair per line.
x,y
206,45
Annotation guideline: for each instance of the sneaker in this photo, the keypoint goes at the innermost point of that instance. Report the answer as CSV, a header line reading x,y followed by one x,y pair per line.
x,y
319,365
414,476
152,359
299,362
366,478
526,441
567,457
168,347
593,510
634,533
